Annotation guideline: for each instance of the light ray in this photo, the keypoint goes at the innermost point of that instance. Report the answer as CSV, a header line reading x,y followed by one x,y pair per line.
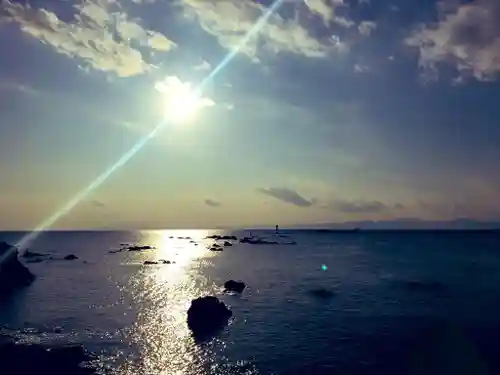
x,y
51,220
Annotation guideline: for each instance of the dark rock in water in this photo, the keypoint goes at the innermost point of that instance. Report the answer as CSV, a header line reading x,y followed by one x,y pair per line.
x,y
206,316
234,286
140,248
165,261
424,285
149,262
227,243
257,241
216,248
322,293
31,359
70,257
13,274
217,237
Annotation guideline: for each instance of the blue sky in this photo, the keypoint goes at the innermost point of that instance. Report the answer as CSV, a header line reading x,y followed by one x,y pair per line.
x,y
335,111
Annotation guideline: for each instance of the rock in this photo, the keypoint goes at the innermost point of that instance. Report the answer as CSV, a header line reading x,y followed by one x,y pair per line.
x,y
149,262
165,261
217,237
234,286
424,285
140,248
216,248
322,293
13,274
206,316
32,359
70,257
227,243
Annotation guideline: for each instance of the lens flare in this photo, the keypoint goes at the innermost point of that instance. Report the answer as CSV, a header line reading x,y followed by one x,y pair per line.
x,y
51,220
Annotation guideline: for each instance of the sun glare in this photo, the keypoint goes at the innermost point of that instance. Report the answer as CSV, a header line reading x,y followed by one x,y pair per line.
x,y
180,102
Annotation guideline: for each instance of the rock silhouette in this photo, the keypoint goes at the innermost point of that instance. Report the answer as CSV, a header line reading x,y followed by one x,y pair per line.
x,y
32,359
234,286
206,316
13,274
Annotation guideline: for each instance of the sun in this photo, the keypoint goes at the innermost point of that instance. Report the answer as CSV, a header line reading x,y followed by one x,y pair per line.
x,y
180,102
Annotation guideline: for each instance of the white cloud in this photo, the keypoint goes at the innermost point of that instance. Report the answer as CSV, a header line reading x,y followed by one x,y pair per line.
x,y
467,37
10,85
88,35
366,27
230,20
204,66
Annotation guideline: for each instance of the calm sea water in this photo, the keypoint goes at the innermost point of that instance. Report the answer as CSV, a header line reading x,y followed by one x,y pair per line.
x,y
134,315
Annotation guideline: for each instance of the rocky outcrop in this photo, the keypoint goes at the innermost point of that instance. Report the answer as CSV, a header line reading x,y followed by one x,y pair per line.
x,y
234,286
226,238
32,359
206,316
70,257
13,274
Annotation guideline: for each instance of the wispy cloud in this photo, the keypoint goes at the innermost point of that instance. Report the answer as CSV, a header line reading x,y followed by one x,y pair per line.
x,y
287,195
10,85
230,20
98,204
212,203
358,207
204,66
102,37
467,37
366,27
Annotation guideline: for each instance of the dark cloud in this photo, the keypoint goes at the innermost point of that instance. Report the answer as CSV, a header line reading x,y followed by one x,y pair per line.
x,y
97,203
288,196
212,203
359,207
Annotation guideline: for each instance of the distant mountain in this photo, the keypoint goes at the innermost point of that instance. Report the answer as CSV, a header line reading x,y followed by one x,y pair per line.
x,y
408,224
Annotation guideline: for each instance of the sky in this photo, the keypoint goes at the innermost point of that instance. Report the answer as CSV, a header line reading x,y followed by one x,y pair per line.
x,y
335,110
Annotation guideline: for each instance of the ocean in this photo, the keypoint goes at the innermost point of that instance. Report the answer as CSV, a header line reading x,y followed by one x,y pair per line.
x,y
418,303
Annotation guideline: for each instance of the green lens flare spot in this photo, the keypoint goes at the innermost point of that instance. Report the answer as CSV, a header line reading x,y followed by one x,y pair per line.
x,y
324,267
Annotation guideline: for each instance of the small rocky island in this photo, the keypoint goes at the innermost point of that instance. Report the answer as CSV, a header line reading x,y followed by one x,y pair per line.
x,y
13,274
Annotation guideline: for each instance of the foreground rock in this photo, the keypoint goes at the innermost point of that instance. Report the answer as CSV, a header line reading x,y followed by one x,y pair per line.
x,y
234,286
31,359
13,274
206,316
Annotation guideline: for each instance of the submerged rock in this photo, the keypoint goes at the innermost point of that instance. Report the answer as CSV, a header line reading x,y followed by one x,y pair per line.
x,y
234,286
206,316
149,262
322,293
32,359
13,273
70,257
227,243
424,285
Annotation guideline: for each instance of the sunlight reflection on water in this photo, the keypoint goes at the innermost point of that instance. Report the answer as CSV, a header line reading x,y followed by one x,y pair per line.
x,y
162,295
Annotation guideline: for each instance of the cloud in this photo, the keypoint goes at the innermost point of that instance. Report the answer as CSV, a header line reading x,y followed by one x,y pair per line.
x,y
288,196
359,207
361,68
366,27
212,203
204,66
10,85
231,20
88,35
97,203
467,37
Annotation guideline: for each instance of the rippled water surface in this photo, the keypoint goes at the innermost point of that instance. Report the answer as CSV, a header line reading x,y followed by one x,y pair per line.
x,y
403,303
